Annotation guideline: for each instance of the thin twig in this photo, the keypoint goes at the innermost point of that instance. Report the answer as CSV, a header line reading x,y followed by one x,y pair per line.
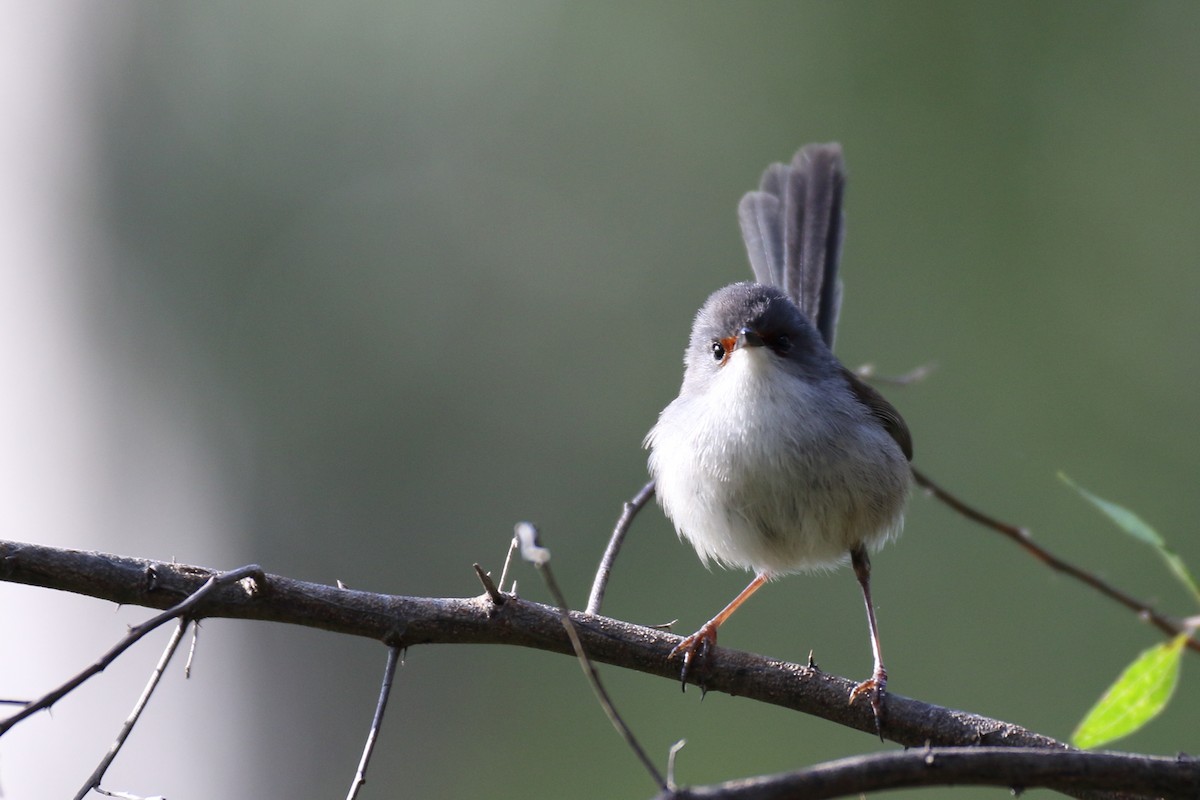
x,y
94,779
671,756
914,375
1017,768
628,512
512,549
532,551
1021,536
385,691
135,634
126,795
187,668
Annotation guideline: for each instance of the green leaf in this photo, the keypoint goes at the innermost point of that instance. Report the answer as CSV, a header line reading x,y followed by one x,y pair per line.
x,y
1137,697
1136,527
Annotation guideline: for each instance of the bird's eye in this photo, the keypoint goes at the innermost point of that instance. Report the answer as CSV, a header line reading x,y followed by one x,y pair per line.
x,y
718,351
781,344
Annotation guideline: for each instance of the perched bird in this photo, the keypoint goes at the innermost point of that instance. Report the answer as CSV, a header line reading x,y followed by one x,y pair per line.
x,y
775,457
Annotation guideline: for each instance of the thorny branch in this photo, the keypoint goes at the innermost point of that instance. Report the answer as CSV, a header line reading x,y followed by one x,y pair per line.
x,y
1019,768
195,593
411,621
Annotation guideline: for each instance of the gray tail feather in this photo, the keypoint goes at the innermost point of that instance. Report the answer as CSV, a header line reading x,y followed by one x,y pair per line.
x,y
792,227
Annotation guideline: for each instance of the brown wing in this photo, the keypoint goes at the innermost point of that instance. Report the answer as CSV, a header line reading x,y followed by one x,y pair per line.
x,y
882,410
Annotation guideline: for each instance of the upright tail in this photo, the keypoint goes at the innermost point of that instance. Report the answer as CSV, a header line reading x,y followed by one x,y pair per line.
x,y
792,227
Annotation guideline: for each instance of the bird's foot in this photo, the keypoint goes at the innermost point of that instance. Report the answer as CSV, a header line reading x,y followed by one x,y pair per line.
x,y
694,650
875,688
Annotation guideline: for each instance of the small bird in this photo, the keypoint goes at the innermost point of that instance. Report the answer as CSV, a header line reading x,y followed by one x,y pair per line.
x,y
775,457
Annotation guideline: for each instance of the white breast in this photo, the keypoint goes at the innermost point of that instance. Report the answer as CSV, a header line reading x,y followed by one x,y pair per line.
x,y
764,471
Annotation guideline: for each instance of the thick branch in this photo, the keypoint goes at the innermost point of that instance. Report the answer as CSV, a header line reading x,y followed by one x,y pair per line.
x,y
408,621
400,621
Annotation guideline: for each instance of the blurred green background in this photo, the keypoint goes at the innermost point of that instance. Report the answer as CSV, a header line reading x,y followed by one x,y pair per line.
x,y
374,281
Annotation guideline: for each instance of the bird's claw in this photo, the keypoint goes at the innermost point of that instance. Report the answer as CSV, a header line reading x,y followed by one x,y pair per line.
x,y
875,688
694,649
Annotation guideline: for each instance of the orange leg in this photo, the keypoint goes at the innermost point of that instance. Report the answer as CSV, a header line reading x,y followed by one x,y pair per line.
x,y
697,646
877,683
